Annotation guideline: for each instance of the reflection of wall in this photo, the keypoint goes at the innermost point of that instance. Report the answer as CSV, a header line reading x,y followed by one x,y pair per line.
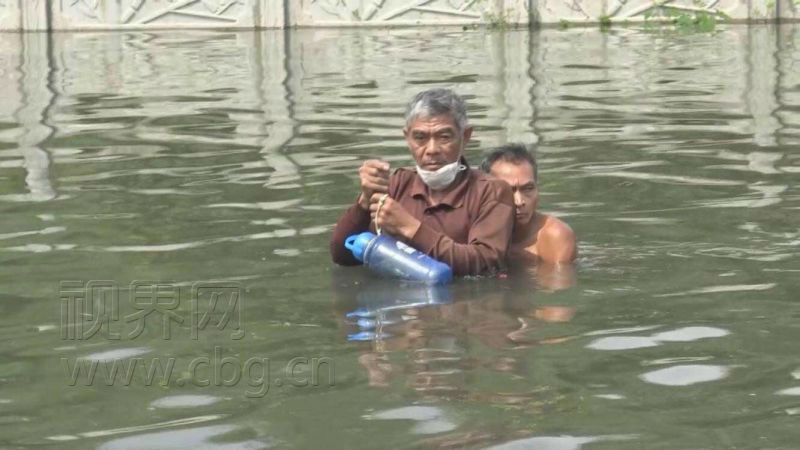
x,y
761,98
10,61
514,101
271,78
38,96
150,75
26,98
741,75
127,93
303,87
354,65
788,80
126,14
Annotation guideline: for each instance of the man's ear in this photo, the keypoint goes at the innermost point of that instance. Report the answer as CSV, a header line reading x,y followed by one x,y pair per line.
x,y
467,134
405,132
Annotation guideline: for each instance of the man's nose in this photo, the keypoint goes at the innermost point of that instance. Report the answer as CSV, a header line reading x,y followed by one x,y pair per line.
x,y
518,199
432,147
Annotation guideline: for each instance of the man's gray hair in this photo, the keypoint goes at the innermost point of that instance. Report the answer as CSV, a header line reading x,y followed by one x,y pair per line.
x,y
438,102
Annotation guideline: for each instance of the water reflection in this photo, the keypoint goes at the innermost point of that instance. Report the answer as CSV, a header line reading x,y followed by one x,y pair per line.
x,y
184,401
442,329
555,442
685,334
525,274
111,355
210,437
685,375
139,429
430,420
31,106
383,305
789,391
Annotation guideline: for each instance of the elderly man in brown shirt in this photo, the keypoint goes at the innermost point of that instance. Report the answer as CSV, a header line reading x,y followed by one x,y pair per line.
x,y
441,207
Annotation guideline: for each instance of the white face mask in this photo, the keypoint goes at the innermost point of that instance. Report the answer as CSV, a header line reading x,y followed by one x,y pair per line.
x,y
443,177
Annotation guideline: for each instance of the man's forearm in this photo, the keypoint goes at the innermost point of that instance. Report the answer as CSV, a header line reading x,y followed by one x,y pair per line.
x,y
474,258
354,220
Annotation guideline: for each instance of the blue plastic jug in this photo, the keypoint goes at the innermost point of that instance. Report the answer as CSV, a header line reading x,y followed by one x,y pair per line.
x,y
388,256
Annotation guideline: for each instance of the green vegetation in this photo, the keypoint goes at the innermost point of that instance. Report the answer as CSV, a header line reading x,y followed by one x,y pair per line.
x,y
605,23
686,21
683,20
497,20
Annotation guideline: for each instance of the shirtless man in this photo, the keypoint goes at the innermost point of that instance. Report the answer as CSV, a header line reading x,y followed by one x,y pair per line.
x,y
536,235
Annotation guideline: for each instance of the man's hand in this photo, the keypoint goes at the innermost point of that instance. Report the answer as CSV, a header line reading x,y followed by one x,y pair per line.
x,y
374,176
392,217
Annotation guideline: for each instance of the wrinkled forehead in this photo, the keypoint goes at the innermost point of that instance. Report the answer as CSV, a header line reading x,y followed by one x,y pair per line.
x,y
432,123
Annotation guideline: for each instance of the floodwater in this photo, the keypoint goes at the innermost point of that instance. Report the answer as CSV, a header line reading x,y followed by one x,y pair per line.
x,y
166,198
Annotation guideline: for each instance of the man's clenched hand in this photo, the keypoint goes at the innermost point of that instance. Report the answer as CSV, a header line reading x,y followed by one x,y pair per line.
x,y
374,176
393,217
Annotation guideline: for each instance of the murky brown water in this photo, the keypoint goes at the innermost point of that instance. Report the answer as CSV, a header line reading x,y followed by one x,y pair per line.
x,y
195,157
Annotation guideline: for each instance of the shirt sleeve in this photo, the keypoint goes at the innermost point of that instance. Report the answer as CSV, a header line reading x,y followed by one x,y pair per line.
x,y
354,220
489,237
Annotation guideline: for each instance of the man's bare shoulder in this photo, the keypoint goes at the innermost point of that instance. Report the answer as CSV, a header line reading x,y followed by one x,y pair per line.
x,y
555,241
555,229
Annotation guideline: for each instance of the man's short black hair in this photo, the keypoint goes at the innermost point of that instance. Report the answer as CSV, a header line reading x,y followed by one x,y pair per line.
x,y
514,153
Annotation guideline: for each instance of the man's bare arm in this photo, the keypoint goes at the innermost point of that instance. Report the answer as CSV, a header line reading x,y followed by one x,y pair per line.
x,y
556,242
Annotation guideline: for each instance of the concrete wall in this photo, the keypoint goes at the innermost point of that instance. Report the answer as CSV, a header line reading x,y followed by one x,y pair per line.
x,y
34,15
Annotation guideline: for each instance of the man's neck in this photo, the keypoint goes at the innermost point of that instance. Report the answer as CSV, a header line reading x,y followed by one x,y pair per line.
x,y
525,234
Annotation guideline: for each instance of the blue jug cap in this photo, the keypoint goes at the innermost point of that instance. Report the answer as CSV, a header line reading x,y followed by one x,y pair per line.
x,y
357,243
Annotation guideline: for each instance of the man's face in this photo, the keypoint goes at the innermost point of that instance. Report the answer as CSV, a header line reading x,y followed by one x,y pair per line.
x,y
435,141
526,192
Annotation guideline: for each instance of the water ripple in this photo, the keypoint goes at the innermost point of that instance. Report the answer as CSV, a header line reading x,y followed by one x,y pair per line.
x,y
685,375
556,442
685,334
140,428
723,288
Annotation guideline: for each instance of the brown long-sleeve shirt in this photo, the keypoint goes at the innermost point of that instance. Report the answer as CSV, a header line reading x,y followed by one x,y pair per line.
x,y
469,228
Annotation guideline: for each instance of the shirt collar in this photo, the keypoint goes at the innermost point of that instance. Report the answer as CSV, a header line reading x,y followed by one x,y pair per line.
x,y
454,194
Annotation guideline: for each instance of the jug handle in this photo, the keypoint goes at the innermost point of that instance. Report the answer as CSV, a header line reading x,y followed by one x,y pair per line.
x,y
348,243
